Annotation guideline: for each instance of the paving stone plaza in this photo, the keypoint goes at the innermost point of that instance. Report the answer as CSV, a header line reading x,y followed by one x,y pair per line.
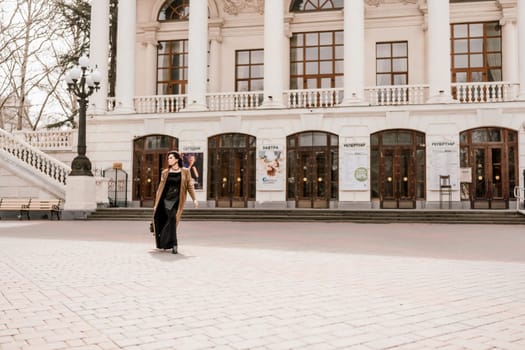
x,y
262,286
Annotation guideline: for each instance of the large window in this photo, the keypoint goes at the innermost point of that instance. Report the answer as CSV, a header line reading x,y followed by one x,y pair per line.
x,y
476,52
249,70
174,10
172,67
392,63
316,5
316,60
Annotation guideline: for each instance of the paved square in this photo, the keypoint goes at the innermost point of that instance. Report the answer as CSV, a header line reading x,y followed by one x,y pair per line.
x,y
101,285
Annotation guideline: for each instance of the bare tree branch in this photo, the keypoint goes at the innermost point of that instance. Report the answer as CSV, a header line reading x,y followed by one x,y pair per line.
x,y
39,41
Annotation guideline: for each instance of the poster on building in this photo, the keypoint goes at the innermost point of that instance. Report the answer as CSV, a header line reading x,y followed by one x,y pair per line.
x,y
356,168
270,167
444,161
465,175
193,159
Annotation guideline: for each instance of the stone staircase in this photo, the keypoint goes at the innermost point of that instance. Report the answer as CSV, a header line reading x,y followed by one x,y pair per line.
x,y
29,163
326,215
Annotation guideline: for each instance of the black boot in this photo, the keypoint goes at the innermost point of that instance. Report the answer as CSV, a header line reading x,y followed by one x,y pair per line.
x,y
174,250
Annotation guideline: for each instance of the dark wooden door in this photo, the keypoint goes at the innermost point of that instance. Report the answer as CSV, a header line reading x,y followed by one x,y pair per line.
x,y
313,179
233,179
397,179
489,178
231,170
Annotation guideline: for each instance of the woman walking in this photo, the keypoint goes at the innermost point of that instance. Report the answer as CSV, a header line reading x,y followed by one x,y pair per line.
x,y
175,182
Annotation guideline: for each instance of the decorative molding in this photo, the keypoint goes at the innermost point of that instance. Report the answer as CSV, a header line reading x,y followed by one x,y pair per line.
x,y
215,29
149,38
378,2
234,7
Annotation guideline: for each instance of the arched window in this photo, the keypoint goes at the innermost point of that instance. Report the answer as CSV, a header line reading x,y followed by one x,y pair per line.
x,y
316,5
173,10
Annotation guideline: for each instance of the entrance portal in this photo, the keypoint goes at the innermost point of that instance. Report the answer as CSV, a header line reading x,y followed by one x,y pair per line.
x,y
398,168
231,170
149,158
312,169
491,154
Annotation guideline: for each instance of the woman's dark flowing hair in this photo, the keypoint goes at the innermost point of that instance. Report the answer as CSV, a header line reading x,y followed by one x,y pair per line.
x,y
177,156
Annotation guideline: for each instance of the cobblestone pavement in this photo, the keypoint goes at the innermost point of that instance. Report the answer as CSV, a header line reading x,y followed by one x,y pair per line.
x,y
101,285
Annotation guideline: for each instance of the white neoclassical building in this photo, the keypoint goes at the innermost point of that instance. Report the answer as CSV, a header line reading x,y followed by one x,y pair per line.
x,y
323,104
316,103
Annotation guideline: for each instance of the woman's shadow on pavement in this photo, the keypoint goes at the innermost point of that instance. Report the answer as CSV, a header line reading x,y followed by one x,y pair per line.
x,y
166,255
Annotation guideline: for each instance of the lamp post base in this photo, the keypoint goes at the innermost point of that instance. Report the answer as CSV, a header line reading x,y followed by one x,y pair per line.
x,y
80,197
81,166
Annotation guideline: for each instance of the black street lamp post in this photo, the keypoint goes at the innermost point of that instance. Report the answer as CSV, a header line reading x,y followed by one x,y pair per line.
x,y
82,84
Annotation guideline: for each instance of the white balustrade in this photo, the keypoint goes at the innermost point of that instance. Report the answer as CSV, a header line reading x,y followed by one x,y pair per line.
x,y
498,91
391,95
396,95
234,101
38,160
159,103
313,98
49,139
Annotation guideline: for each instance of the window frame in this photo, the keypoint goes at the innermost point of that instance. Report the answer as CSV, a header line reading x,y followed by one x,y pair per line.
x,y
304,63
175,15
317,5
170,45
251,66
469,71
391,73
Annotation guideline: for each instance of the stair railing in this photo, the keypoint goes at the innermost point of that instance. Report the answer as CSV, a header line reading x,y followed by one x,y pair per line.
x,y
38,160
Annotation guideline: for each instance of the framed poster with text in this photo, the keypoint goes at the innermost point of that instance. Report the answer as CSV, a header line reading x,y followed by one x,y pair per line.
x,y
271,167
193,159
356,166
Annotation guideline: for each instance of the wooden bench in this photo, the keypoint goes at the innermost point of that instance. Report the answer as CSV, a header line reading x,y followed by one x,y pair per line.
x,y
15,204
24,206
50,205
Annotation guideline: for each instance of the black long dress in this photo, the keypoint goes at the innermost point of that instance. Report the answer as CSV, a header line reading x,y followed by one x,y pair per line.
x,y
166,237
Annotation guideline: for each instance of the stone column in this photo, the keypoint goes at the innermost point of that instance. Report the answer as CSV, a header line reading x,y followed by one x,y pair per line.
x,y
99,52
125,85
150,45
354,48
197,56
521,46
438,53
509,50
273,53
214,76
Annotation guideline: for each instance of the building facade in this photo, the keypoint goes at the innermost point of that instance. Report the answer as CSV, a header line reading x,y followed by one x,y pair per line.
x,y
314,103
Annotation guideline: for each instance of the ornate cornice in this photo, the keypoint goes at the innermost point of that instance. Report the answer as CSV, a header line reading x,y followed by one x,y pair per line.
x,y
234,7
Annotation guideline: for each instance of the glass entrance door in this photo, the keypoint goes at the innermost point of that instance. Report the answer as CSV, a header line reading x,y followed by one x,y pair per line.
x,y
491,155
233,183
151,166
231,170
397,167
149,158
312,169
488,179
398,179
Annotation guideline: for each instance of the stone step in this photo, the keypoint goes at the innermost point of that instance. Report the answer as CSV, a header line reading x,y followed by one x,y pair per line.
x,y
328,215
